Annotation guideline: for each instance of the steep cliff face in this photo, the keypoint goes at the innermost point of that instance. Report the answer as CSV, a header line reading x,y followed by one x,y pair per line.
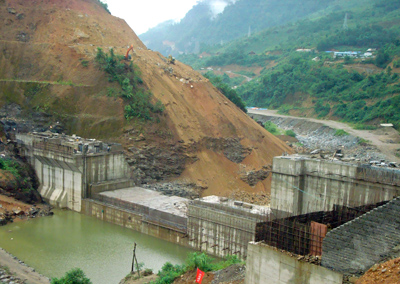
x,y
47,68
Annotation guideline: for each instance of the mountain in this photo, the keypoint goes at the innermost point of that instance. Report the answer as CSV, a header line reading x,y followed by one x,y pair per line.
x,y
206,25
292,67
62,69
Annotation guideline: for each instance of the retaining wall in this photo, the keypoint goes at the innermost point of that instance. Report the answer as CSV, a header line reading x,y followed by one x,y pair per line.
x,y
221,230
301,185
134,221
266,265
357,245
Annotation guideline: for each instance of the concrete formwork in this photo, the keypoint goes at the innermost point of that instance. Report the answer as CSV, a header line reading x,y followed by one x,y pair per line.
x,y
301,185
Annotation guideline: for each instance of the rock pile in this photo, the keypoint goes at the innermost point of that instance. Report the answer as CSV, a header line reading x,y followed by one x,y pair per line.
x,y
7,278
33,212
186,190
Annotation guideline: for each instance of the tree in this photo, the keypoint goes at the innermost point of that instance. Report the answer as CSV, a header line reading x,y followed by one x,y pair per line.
x,y
74,276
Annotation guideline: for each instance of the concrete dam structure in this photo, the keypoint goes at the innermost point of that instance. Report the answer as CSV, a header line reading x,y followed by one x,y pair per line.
x,y
70,168
302,185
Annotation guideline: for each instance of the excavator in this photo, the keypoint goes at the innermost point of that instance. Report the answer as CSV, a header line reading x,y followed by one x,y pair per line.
x,y
127,56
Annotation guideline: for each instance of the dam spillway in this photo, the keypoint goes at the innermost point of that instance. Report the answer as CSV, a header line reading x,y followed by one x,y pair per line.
x,y
70,168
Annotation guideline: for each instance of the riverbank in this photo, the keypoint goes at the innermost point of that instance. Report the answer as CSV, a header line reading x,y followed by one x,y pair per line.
x,y
12,210
13,270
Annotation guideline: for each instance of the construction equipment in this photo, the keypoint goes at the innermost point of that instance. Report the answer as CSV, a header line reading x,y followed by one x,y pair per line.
x,y
171,60
127,56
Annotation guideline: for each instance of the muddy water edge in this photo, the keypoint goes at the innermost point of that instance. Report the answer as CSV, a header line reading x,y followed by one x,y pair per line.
x,y
55,244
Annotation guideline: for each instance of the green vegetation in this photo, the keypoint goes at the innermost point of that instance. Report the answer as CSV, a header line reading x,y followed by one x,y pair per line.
x,y
363,142
340,132
104,5
74,276
233,23
137,99
290,133
360,126
11,166
348,89
228,92
20,173
85,63
170,272
272,128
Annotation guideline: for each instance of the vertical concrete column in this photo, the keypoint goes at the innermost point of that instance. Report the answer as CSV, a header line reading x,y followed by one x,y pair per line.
x,y
287,185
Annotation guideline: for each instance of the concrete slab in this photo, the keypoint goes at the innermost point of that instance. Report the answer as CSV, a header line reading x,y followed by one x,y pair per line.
x,y
155,200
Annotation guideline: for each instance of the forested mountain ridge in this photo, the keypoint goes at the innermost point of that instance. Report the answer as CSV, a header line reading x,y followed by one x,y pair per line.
x,y
203,26
293,66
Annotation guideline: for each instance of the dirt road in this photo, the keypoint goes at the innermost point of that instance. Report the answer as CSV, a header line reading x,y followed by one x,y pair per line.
x,y
21,271
377,138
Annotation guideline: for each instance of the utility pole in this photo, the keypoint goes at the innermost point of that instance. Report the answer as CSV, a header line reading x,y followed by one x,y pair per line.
x,y
133,262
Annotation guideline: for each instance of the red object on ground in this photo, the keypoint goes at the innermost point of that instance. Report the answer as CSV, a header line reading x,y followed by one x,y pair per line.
x,y
200,275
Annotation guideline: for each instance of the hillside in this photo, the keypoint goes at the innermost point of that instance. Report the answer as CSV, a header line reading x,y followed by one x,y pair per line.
x,y
50,80
204,25
292,67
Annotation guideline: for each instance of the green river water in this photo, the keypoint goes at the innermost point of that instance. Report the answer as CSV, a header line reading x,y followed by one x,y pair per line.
x,y
54,245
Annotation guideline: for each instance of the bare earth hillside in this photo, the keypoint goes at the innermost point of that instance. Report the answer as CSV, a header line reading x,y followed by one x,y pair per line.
x,y
202,138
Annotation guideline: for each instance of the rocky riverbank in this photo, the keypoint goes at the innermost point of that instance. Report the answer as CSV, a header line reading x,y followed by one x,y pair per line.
x,y
328,137
15,271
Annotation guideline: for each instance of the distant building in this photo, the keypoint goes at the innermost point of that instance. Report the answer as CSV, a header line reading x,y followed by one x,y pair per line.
x,y
252,53
368,54
316,59
303,50
353,54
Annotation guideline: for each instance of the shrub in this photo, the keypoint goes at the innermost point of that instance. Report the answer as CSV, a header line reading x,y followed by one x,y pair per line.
x,y
85,63
290,133
138,100
170,272
271,128
74,276
285,109
105,6
340,132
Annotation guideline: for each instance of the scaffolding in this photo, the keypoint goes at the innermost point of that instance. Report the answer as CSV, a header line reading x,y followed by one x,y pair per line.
x,y
303,234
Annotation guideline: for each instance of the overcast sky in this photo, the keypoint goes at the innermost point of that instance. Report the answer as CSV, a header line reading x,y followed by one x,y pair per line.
x,y
144,14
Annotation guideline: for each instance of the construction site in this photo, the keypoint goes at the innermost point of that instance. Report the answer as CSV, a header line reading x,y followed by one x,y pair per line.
x,y
326,218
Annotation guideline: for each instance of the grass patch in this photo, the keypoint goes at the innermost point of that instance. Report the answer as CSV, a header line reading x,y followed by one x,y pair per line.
x,y
170,272
290,133
272,128
361,126
340,132
363,142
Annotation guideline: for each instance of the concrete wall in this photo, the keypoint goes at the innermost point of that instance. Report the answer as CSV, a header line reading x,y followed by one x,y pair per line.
x,y
65,176
60,182
96,188
265,265
132,220
105,167
301,185
220,230
357,245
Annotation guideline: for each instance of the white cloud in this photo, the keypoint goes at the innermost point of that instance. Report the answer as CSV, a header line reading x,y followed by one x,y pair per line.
x,y
142,15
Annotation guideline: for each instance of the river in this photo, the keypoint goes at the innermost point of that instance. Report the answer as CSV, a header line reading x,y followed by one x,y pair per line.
x,y
54,245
